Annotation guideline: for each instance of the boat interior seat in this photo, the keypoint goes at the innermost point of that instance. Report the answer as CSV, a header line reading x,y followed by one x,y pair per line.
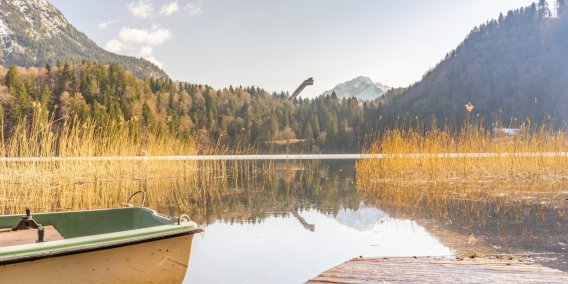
x,y
8,237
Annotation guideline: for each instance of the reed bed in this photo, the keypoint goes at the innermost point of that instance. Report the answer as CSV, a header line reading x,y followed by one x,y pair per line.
x,y
507,187
172,186
88,184
518,157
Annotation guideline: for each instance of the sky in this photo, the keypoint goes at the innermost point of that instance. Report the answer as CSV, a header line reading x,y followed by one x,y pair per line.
x,y
277,44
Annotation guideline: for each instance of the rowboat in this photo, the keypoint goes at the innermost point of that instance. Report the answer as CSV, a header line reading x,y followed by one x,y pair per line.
x,y
120,245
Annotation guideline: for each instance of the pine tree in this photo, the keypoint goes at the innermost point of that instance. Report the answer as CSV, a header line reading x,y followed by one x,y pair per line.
x,y
148,116
274,125
22,102
255,133
309,134
315,124
45,98
11,79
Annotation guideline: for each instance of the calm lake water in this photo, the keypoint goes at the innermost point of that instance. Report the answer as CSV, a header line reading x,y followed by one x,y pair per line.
x,y
278,221
301,221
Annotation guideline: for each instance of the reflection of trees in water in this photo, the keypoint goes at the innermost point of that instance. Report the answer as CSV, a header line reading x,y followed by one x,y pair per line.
x,y
285,188
236,191
506,220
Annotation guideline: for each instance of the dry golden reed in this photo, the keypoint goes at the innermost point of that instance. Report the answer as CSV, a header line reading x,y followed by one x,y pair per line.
x,y
529,155
88,184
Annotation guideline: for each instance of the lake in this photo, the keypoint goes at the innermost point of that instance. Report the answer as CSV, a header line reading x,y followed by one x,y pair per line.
x,y
273,220
296,223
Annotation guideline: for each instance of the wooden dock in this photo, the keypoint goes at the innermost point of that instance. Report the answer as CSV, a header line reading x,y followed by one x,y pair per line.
x,y
494,269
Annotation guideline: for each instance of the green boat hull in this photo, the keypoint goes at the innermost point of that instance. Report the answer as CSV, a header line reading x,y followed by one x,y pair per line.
x,y
133,242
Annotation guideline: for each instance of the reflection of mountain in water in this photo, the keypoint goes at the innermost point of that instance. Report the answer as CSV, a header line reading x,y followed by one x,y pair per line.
x,y
362,219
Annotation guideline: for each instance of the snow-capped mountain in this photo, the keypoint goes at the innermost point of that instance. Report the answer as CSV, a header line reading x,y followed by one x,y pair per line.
x,y
35,33
37,20
362,88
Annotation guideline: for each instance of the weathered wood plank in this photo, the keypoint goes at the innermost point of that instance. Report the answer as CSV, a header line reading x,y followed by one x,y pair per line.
x,y
493,269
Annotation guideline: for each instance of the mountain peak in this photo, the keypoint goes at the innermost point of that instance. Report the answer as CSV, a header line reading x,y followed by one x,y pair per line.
x,y
362,78
362,88
36,19
35,33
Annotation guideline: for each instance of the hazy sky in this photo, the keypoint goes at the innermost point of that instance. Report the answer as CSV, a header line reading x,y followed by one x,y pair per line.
x,y
277,44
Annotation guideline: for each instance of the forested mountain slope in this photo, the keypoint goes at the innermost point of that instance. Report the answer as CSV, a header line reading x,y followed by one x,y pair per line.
x,y
514,68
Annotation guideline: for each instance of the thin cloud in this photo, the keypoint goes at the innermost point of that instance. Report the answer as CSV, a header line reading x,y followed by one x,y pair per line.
x,y
147,52
114,45
169,9
141,9
104,25
193,9
139,42
155,36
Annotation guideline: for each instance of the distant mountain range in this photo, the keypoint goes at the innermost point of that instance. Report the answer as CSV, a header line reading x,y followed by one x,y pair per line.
x,y
35,33
362,88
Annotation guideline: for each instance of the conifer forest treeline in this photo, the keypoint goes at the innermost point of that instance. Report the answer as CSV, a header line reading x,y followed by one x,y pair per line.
x,y
235,117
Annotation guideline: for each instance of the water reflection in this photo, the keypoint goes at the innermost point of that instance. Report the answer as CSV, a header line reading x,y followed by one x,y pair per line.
x,y
529,220
268,225
289,227
363,219
287,189
279,249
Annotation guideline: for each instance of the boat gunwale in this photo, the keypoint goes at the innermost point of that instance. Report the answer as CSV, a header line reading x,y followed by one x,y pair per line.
x,y
97,247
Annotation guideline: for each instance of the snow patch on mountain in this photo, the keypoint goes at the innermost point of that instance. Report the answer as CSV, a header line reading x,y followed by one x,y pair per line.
x,y
24,9
362,88
44,19
5,35
383,87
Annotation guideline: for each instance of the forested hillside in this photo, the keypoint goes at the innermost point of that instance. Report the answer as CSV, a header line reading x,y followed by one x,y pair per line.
x,y
236,116
511,69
